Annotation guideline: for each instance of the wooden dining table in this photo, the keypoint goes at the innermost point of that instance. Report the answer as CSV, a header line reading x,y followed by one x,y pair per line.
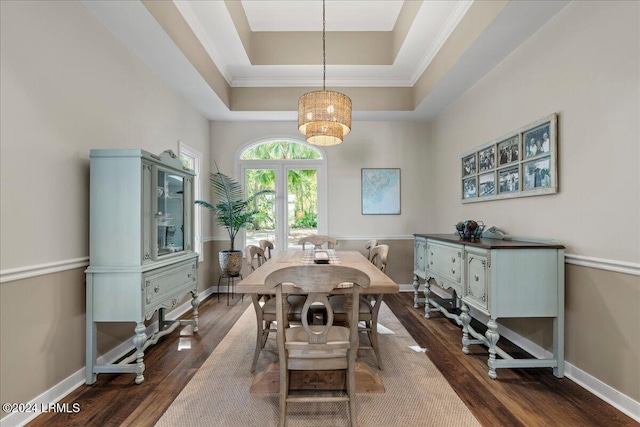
x,y
367,380
380,282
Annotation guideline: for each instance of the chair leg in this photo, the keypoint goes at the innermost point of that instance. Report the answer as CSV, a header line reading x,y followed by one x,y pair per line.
x,y
284,391
351,391
259,345
374,342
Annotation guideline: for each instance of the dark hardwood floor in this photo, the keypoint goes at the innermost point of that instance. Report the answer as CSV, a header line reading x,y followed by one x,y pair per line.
x,y
519,397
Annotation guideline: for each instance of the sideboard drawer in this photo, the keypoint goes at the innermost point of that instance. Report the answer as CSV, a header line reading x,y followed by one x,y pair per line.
x,y
448,284
161,282
476,285
445,261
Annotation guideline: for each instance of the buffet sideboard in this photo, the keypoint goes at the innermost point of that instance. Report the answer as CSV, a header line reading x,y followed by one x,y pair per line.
x,y
500,278
141,250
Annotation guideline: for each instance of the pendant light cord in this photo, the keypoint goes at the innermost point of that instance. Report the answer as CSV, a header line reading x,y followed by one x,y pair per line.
x,y
324,55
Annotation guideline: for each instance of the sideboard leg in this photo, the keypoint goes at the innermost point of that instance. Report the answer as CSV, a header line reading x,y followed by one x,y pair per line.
x,y
195,303
139,340
416,285
427,295
493,337
465,318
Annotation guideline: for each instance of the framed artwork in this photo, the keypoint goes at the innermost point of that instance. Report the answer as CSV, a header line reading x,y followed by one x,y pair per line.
x,y
487,185
469,188
380,191
522,163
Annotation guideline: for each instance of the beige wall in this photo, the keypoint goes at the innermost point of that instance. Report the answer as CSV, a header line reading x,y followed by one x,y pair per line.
x,y
67,85
369,145
584,65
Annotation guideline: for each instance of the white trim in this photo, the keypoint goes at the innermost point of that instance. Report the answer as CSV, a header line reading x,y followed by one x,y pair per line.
x,y
77,379
632,268
381,237
585,380
196,156
451,23
11,274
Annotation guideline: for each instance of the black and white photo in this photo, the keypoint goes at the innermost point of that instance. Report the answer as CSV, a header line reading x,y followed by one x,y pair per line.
x,y
537,141
537,174
508,180
487,159
487,186
469,188
508,151
469,165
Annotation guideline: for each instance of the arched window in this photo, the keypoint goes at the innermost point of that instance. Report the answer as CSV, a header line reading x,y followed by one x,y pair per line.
x,y
296,171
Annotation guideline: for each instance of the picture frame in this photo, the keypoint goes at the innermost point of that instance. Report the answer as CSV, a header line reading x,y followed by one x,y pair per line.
x,y
520,164
380,191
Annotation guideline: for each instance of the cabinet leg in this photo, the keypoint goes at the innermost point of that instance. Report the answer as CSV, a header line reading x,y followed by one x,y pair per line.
x,y
427,295
465,318
195,303
493,337
139,340
416,285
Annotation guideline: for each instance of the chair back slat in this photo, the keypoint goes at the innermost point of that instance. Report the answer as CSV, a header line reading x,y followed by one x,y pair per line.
x,y
255,256
317,241
267,247
317,278
369,245
379,256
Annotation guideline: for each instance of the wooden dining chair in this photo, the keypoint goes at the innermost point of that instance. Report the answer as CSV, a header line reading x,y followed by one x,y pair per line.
x,y
317,347
369,305
369,245
265,306
267,247
318,241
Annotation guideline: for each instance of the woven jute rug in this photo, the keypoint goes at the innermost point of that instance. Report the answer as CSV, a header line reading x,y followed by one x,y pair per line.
x,y
416,393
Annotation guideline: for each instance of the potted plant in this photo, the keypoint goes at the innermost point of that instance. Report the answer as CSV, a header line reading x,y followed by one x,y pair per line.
x,y
232,211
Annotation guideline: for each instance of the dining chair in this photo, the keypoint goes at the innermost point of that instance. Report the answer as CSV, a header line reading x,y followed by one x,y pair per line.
x,y
317,347
369,245
265,306
369,305
267,247
317,241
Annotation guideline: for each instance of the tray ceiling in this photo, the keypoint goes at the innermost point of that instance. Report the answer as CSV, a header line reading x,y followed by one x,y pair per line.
x,y
252,59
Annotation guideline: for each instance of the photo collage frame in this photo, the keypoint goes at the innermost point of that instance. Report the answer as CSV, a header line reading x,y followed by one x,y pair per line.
x,y
522,163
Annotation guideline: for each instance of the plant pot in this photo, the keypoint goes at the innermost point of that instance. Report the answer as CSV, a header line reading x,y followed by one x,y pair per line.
x,y
230,262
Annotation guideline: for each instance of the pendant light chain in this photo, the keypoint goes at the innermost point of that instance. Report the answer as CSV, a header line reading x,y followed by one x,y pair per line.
x,y
324,54
324,116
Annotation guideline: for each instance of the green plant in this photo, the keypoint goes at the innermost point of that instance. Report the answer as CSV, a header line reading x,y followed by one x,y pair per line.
x,y
232,211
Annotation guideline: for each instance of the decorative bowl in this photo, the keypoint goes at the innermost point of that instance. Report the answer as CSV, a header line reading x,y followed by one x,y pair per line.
x,y
470,229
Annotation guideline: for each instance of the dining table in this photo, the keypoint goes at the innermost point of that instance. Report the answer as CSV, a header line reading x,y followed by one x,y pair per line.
x,y
367,379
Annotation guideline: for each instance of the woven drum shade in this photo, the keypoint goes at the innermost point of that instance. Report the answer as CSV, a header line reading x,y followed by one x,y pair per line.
x,y
324,117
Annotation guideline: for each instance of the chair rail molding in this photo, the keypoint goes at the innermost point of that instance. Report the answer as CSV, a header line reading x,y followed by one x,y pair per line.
x,y
18,273
26,272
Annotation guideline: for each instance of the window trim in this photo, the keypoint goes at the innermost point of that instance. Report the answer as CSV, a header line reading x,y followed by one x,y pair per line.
x,y
283,165
188,151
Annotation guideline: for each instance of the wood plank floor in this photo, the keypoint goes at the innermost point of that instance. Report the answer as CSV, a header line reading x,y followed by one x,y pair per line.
x,y
519,397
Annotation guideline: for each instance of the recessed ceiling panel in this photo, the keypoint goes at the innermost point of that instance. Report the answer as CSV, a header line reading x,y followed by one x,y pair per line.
x,y
306,15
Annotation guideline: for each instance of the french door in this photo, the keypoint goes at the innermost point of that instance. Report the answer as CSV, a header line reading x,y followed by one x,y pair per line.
x,y
299,206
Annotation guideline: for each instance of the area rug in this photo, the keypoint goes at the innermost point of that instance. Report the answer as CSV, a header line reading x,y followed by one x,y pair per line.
x,y
416,393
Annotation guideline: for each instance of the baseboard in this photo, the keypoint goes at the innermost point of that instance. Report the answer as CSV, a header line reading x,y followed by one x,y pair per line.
x,y
75,380
605,392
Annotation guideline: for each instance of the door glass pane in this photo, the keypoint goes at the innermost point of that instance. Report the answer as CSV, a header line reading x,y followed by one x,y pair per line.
x,y
264,225
302,205
170,217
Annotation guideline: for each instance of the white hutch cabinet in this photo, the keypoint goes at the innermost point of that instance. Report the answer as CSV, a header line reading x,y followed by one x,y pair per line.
x,y
499,278
142,257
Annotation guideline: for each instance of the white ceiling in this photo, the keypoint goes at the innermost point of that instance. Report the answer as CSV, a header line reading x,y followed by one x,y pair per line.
x,y
306,15
213,25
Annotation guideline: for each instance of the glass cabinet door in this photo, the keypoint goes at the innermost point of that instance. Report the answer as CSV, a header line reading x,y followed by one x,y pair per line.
x,y
170,213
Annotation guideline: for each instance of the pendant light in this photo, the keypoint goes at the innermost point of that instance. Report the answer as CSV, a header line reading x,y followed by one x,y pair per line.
x,y
324,116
